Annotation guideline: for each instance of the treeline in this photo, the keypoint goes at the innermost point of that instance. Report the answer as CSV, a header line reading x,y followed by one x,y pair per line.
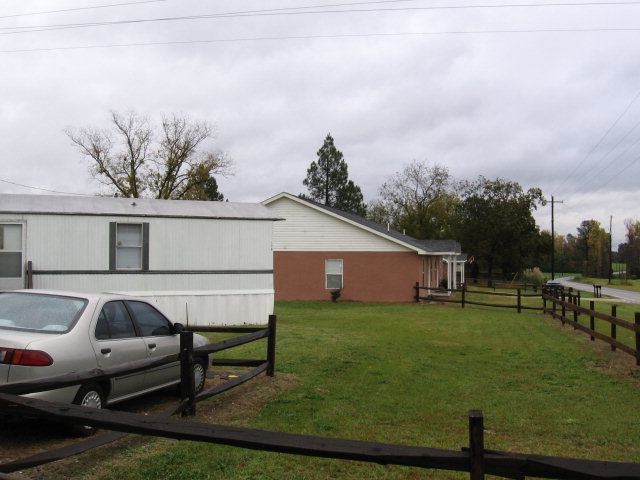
x,y
491,218
589,252
629,252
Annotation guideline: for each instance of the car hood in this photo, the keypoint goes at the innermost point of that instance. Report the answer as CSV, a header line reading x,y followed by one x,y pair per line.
x,y
200,341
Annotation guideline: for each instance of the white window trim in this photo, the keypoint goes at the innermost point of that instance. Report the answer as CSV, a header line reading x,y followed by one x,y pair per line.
x,y
23,245
326,273
114,247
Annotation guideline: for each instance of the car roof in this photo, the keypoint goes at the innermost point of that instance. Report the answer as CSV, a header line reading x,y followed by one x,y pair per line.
x,y
91,296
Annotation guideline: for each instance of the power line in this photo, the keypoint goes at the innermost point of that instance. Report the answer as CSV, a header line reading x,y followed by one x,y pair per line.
x,y
67,10
43,189
599,142
605,167
306,10
319,37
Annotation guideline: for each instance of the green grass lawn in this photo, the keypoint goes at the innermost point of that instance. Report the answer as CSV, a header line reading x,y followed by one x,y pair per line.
x,y
409,374
621,283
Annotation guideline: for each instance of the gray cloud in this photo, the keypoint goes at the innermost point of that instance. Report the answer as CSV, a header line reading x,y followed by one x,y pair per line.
x,y
532,105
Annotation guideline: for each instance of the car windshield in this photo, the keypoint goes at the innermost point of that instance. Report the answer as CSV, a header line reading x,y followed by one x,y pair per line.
x,y
45,313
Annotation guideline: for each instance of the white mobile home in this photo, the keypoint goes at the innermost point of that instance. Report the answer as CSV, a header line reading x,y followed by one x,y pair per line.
x,y
203,263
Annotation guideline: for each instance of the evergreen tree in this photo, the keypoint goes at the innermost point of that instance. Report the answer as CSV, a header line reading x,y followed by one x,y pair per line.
x,y
328,181
211,190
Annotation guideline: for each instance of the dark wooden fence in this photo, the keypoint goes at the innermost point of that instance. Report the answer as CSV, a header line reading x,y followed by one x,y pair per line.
x,y
568,310
565,305
250,334
475,458
187,406
466,296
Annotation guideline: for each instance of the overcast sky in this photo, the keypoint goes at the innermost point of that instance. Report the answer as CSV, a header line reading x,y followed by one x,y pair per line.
x,y
542,93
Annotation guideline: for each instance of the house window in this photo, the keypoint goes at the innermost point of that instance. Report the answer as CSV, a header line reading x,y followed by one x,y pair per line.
x,y
129,246
333,274
10,251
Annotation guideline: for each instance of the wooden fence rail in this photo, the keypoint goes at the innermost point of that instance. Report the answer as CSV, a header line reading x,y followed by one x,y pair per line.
x,y
570,312
100,374
187,404
473,459
461,297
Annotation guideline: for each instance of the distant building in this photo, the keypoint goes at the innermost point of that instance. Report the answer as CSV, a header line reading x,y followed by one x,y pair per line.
x,y
318,249
204,263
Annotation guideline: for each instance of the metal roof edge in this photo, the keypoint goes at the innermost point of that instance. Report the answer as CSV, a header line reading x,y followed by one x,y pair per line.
x,y
25,204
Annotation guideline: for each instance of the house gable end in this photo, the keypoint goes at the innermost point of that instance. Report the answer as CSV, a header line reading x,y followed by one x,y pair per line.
x,y
312,229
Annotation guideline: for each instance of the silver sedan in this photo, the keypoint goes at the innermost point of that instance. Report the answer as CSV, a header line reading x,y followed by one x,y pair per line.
x,y
47,333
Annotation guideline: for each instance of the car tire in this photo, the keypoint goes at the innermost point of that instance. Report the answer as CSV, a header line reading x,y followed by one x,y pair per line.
x,y
199,377
89,395
199,374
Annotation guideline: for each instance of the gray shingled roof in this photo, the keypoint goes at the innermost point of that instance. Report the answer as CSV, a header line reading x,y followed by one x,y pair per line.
x,y
138,207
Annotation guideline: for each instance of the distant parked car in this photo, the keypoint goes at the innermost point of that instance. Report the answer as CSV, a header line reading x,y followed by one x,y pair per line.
x,y
552,287
46,333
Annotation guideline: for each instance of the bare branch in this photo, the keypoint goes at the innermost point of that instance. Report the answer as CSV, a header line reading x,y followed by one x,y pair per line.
x,y
134,164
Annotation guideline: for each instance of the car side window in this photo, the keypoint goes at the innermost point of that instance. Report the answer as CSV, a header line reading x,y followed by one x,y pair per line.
x,y
150,321
114,322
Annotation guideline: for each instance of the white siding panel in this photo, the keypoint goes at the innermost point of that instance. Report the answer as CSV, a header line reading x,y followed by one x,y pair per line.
x,y
155,282
214,308
306,229
210,244
55,242
64,242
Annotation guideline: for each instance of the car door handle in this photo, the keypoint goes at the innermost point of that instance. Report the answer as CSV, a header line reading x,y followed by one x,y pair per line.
x,y
104,351
152,345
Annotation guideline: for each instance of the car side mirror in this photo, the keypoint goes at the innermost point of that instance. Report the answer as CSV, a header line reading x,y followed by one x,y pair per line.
x,y
177,328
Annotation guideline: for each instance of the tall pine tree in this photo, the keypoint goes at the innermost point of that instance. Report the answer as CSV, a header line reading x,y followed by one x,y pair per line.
x,y
328,181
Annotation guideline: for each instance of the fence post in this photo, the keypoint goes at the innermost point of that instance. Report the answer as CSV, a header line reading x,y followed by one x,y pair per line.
x,y
637,337
519,302
417,289
29,274
271,347
592,320
476,445
187,385
575,313
464,289
579,300
614,327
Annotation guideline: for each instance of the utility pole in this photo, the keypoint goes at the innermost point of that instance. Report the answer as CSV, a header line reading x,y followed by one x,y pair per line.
x,y
610,248
553,239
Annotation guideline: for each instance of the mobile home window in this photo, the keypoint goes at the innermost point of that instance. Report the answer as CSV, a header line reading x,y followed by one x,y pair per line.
x,y
129,246
333,273
10,251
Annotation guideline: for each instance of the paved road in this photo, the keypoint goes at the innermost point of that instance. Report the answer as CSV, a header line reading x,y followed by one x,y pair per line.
x,y
627,296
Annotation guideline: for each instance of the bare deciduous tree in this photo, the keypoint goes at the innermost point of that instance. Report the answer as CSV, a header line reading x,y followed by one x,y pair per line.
x,y
415,200
134,161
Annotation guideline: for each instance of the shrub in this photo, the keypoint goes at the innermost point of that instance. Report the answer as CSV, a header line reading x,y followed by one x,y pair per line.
x,y
533,275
